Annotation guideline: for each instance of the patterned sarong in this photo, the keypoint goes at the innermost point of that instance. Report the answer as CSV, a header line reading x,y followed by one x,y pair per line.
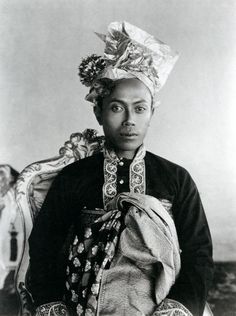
x,y
88,259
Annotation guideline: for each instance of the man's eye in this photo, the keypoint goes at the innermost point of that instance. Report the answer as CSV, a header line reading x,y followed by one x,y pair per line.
x,y
116,108
140,109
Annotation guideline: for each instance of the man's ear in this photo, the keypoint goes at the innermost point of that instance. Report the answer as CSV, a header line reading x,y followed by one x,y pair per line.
x,y
98,113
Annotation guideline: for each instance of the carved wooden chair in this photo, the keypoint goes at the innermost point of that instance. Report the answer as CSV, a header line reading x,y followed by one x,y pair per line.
x,y
31,189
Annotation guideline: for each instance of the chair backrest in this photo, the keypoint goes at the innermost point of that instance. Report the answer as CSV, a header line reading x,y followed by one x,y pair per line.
x,y
31,189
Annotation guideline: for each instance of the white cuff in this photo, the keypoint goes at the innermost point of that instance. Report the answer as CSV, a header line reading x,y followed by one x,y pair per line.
x,y
171,307
52,309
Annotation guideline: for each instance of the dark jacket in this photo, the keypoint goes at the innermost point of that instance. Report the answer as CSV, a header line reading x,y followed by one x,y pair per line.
x,y
80,185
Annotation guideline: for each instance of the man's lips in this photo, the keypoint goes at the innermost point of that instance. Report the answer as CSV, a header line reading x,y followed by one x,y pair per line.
x,y
128,134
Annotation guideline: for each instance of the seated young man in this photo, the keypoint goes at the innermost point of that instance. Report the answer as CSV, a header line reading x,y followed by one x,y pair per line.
x,y
141,243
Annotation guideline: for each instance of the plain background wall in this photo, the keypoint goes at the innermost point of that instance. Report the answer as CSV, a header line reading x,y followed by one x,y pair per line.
x,y
42,101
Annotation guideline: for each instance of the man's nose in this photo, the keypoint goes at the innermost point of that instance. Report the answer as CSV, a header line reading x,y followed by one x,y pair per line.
x,y
129,119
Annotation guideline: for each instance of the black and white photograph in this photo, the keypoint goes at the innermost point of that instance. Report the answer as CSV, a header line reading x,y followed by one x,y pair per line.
x,y
117,158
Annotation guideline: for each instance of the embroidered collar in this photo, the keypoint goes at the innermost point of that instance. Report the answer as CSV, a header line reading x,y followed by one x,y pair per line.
x,y
137,180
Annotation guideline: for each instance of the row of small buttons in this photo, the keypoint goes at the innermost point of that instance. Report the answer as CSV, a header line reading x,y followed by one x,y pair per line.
x,y
121,163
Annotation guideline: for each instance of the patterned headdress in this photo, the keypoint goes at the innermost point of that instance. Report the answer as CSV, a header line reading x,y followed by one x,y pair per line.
x,y
129,53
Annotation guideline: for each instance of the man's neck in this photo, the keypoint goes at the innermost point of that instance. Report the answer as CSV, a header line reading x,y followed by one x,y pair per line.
x,y
125,154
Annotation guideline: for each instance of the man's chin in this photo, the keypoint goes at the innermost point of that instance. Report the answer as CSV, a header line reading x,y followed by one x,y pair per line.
x,y
128,147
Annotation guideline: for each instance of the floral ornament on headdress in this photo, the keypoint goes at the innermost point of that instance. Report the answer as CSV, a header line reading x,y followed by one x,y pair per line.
x,y
90,68
133,53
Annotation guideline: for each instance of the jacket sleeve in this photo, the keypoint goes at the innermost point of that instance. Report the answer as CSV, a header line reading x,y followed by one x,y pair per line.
x,y
196,272
46,241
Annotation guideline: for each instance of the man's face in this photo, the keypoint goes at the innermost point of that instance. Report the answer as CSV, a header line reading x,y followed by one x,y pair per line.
x,y
125,116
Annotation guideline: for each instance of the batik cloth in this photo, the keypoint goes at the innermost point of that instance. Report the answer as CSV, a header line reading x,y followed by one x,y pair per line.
x,y
135,240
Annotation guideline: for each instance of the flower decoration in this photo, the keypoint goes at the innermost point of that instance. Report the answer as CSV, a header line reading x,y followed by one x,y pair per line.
x,y
76,262
90,67
74,277
74,297
79,309
87,266
88,232
80,248
84,292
